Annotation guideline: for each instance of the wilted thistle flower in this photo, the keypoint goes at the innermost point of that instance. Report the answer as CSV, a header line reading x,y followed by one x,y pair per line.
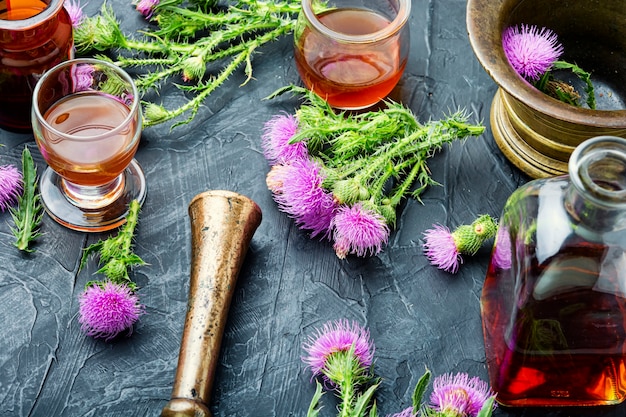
x,y
531,51
303,198
75,11
106,309
10,186
444,248
459,395
358,230
336,339
274,178
277,132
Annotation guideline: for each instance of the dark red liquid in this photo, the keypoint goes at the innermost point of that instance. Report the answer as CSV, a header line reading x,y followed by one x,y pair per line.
x,y
25,53
554,335
349,76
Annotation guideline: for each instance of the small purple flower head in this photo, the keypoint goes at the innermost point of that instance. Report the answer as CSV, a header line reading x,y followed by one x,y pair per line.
x,y
335,337
75,10
407,412
441,249
502,253
531,51
82,77
10,186
275,140
302,197
359,230
106,309
458,395
146,7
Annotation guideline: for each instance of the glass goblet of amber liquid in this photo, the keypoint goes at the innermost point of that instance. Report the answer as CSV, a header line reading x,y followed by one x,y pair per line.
x,y
86,118
352,53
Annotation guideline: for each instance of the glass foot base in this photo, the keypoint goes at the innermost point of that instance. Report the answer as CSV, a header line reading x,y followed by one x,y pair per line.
x,y
61,209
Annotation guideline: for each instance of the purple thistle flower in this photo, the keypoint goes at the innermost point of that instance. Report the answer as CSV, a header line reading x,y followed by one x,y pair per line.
x,y
146,7
338,336
75,11
82,77
106,309
302,197
359,230
277,132
459,396
531,51
10,186
441,249
407,412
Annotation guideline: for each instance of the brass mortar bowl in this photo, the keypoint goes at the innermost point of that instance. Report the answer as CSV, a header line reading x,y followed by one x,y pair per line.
x,y
536,132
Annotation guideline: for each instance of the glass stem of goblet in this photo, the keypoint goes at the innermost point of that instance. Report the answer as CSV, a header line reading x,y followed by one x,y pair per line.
x,y
93,196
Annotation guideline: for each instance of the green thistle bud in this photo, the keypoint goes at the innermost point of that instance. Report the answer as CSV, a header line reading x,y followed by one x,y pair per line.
x,y
155,113
469,238
485,226
389,213
466,241
116,270
107,33
364,193
84,35
193,68
347,191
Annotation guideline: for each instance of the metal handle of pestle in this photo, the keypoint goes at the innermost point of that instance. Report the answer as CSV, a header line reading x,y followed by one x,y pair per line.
x,y
222,225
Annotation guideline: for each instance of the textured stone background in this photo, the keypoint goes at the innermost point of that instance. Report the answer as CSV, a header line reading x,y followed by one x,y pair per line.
x,y
418,316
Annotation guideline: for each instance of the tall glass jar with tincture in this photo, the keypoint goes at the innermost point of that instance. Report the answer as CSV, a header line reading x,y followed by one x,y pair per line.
x,y
554,299
35,35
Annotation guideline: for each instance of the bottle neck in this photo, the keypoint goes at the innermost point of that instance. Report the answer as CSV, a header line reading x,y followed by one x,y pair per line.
x,y
596,197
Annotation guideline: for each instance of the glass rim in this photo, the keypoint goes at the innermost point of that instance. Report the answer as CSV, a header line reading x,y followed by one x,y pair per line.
x,y
52,8
394,27
589,152
134,108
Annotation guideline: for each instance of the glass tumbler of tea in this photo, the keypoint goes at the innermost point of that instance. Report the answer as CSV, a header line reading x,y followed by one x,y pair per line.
x,y
86,118
352,53
35,35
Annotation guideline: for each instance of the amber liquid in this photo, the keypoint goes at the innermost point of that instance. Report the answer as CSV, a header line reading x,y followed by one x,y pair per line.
x,y
20,9
25,54
349,77
555,334
89,162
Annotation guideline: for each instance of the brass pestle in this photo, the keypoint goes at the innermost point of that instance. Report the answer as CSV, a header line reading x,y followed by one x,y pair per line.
x,y
222,225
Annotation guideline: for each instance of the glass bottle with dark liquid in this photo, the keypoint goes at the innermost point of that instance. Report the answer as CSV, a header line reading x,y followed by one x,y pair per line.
x,y
554,299
35,35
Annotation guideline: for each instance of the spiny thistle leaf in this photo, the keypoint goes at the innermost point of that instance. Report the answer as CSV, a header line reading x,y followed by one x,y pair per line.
x,y
29,212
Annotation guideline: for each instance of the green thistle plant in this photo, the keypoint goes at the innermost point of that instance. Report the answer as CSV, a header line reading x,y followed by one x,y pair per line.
x,y
197,41
115,253
341,354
